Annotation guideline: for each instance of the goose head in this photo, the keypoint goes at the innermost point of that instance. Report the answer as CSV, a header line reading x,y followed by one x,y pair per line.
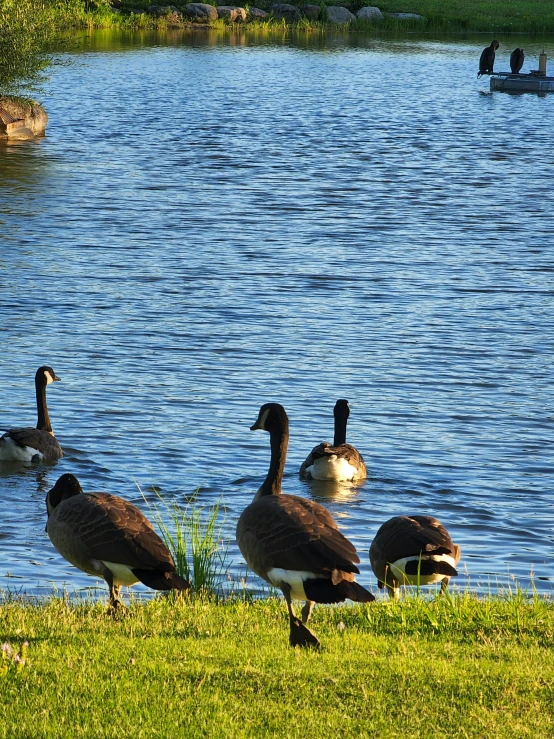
x,y
45,375
66,487
272,418
342,409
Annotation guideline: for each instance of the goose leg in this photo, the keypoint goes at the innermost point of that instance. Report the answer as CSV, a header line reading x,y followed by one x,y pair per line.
x,y
307,611
115,603
444,584
394,593
300,635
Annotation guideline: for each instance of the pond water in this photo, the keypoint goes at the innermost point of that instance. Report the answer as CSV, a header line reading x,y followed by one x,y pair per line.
x,y
215,223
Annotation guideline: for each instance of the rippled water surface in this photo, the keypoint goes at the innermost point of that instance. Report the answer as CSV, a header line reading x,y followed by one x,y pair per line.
x,y
210,226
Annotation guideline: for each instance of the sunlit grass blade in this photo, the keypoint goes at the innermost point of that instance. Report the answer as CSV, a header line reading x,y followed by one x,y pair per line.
x,y
193,535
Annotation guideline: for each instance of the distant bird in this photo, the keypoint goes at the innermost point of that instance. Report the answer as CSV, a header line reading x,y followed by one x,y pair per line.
x,y
413,550
517,57
341,461
105,536
486,62
34,444
293,543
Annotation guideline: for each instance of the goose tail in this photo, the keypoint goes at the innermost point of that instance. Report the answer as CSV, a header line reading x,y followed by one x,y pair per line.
x,y
162,580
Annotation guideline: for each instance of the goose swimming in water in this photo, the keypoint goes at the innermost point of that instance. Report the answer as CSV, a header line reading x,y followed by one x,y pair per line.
x,y
340,461
34,444
293,543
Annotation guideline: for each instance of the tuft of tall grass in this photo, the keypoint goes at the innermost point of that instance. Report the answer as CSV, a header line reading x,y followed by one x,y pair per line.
x,y
194,536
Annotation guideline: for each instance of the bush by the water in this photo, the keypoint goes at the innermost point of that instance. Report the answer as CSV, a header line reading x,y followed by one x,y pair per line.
x,y
26,28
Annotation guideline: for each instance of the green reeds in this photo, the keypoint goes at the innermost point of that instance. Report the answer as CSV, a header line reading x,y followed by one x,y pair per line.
x,y
193,535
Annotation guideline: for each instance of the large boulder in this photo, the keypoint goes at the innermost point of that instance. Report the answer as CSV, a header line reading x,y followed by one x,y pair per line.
x,y
369,13
407,16
200,12
312,12
290,13
231,12
31,112
257,13
338,14
159,11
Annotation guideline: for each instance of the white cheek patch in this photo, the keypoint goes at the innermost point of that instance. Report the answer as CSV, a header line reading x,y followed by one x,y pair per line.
x,y
122,575
263,419
332,468
294,578
49,377
398,569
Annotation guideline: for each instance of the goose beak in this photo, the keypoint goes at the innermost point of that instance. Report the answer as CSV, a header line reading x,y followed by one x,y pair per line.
x,y
256,426
57,379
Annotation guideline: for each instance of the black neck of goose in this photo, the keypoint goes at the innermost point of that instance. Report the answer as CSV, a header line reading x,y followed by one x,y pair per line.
x,y
43,421
340,429
273,482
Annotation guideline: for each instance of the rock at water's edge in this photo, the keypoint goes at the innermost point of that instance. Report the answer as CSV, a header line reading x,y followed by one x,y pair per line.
x,y
369,13
158,11
288,12
312,12
31,112
199,11
232,12
257,13
338,14
407,16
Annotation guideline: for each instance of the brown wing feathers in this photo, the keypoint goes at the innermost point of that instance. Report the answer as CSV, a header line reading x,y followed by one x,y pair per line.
x,y
115,531
289,532
406,536
37,439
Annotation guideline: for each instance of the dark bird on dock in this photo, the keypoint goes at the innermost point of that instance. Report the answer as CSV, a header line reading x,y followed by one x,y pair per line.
x,y
486,62
34,444
517,57
413,550
293,543
105,536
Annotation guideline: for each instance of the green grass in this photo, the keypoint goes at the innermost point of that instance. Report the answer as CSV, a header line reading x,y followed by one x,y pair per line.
x,y
175,667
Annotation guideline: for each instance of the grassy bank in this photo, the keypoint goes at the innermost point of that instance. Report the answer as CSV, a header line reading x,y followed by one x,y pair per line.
x,y
454,667
455,16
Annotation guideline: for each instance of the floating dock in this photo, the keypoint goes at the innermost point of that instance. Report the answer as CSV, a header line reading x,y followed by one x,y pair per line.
x,y
533,82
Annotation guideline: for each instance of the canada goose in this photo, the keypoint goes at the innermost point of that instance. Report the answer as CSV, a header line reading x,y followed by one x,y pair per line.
x,y
486,61
413,550
293,543
517,57
340,462
105,536
29,444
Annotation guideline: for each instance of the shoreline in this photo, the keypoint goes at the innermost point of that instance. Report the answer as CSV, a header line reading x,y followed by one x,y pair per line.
x,y
535,18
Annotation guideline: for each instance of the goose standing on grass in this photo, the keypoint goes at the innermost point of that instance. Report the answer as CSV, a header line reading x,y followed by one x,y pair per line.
x,y
413,550
105,536
341,462
34,444
293,543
